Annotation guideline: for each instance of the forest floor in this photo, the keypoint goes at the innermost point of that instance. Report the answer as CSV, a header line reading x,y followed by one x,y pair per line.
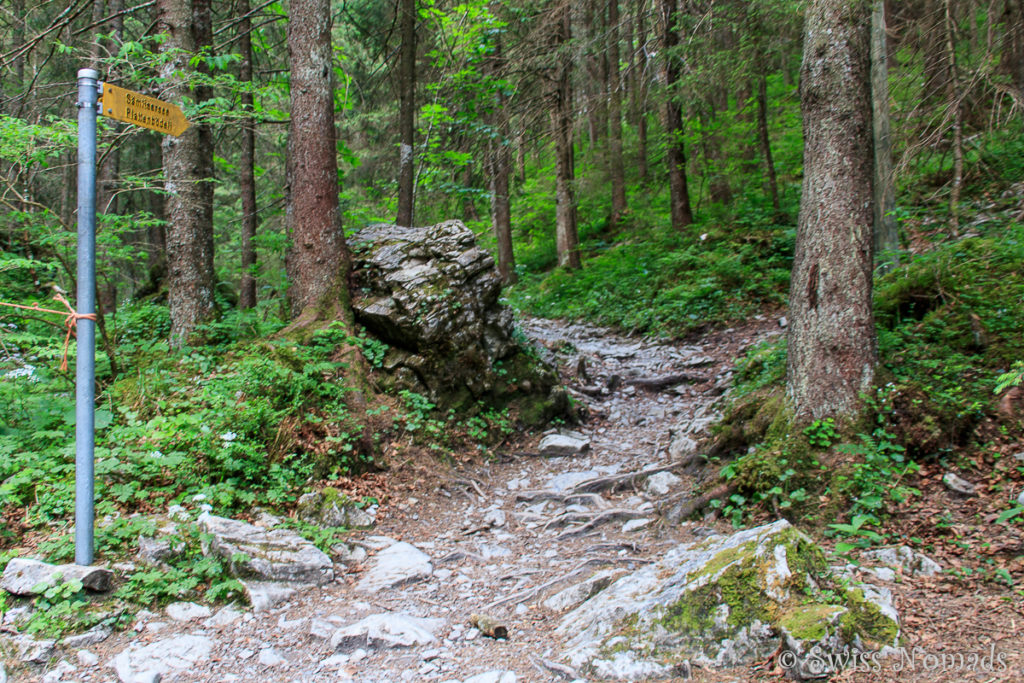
x,y
498,550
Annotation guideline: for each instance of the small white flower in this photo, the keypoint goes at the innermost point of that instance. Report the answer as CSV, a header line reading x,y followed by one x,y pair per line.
x,y
198,497
228,436
206,507
156,454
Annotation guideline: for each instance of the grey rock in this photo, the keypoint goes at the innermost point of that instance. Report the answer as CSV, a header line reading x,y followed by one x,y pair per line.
x,y
556,445
156,550
27,649
567,480
63,668
660,484
225,616
275,555
349,553
636,524
22,575
97,634
87,659
1019,457
17,616
958,484
3,673
263,595
152,662
321,629
579,593
389,630
1020,498
906,559
680,444
269,657
433,295
624,666
396,565
493,677
331,509
187,611
495,518
691,576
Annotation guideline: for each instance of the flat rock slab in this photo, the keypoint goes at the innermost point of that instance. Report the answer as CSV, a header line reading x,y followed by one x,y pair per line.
x,y
556,445
396,565
493,677
270,555
263,595
722,602
22,575
906,559
389,630
156,660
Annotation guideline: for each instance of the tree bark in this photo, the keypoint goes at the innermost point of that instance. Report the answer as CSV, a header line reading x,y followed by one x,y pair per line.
x,y
406,112
675,155
953,100
566,236
832,346
318,260
500,157
615,163
246,164
188,167
886,233
638,92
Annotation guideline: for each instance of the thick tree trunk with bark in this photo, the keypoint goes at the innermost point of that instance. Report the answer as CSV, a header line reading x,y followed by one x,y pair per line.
x,y
500,168
566,236
246,165
885,229
615,163
832,347
675,156
318,260
406,113
638,89
188,168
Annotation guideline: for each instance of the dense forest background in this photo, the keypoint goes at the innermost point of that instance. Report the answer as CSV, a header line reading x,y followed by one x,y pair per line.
x,y
637,164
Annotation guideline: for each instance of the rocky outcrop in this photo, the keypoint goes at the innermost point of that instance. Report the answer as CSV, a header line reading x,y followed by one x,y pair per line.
x,y
725,602
330,508
24,576
433,296
274,555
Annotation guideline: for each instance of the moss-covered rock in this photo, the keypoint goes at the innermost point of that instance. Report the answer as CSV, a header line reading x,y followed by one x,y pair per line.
x,y
726,602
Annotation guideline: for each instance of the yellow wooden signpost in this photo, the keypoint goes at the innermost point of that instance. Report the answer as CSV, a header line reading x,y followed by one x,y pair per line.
x,y
142,110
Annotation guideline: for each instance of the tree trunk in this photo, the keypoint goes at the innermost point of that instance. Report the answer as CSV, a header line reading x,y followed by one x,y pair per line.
x,y
318,261
1012,59
675,156
953,100
885,229
832,347
406,112
771,182
566,236
500,167
639,92
246,164
188,167
615,163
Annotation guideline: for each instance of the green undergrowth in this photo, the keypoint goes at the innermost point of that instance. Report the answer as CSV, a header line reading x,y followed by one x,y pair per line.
x,y
659,281
950,324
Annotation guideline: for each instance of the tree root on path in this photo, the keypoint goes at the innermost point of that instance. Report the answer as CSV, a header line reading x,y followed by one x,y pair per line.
x,y
659,383
546,666
529,593
602,518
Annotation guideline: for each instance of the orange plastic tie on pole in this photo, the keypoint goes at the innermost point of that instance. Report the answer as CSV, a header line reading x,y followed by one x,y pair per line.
x,y
71,318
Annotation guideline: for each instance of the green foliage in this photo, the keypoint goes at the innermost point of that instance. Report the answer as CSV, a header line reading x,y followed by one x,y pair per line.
x,y
1013,378
821,433
857,533
878,466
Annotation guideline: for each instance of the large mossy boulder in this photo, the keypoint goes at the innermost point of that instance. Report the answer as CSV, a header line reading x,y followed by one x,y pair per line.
x,y
727,601
433,296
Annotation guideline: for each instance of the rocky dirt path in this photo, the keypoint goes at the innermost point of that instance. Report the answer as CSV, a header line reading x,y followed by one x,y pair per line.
x,y
513,540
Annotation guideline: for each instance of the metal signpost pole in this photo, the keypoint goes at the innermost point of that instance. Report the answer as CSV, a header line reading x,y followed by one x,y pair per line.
x,y
85,370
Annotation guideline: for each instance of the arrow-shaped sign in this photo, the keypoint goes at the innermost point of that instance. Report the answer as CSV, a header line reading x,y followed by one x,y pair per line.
x,y
142,110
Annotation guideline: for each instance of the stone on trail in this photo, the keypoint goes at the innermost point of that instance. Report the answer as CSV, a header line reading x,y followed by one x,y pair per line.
x,y
22,575
958,484
331,509
97,634
557,445
581,592
225,616
493,677
274,555
726,601
567,480
660,483
389,630
906,559
156,660
263,595
187,611
396,565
